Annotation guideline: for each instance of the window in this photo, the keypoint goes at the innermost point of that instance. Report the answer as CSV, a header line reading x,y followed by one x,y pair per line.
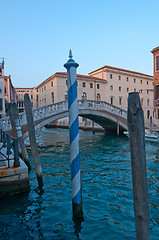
x,y
111,76
51,84
66,83
148,114
98,97
157,63
127,89
52,97
120,100
97,86
111,100
119,77
66,96
44,87
134,80
134,89
84,96
147,82
83,84
120,89
141,91
91,85
127,79
148,102
1,104
111,87
141,81
147,91
32,97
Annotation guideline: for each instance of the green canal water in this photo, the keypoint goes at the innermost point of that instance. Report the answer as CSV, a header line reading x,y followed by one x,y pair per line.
x,y
106,189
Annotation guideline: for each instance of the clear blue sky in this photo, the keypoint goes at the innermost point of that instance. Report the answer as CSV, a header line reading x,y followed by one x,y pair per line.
x,y
36,36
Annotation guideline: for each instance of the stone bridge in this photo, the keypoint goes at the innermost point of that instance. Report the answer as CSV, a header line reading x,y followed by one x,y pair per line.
x,y
106,115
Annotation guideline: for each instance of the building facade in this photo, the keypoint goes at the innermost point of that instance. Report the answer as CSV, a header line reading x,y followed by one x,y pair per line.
x,y
33,94
121,81
108,84
10,92
155,52
54,88
2,90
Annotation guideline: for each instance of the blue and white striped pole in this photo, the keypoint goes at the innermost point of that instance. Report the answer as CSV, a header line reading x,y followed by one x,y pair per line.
x,y
71,66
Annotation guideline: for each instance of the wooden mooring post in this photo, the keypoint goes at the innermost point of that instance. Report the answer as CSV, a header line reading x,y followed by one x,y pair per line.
x,y
16,127
32,138
138,163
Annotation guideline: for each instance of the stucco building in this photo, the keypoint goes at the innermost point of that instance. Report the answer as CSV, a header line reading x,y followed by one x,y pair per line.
x,y
2,90
121,81
7,91
33,94
10,92
107,83
155,52
54,88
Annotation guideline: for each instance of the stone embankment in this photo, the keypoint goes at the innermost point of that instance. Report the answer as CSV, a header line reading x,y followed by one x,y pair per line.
x,y
13,179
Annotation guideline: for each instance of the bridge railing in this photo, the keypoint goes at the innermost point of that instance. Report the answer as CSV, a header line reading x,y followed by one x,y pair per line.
x,y
102,105
48,110
55,108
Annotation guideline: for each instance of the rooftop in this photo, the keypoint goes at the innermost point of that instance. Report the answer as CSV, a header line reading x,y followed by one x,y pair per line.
x,y
120,69
65,74
155,49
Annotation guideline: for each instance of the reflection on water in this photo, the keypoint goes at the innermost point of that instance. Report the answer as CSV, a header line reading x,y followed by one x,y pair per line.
x,y
106,189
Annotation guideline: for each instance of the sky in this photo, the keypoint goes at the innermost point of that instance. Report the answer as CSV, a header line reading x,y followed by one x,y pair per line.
x,y
36,36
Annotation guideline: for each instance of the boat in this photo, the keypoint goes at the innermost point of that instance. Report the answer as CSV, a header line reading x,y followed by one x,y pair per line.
x,y
149,136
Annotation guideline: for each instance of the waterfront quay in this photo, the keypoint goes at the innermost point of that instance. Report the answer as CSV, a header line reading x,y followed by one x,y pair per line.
x,y
14,176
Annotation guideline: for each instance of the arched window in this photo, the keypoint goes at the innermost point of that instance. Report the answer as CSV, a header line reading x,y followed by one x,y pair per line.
x,y
52,97
98,98
148,114
66,96
84,96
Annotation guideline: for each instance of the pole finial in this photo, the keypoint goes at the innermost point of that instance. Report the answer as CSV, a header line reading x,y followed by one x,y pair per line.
x,y
70,54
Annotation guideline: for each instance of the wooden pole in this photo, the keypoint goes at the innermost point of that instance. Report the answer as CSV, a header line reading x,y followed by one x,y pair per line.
x,y
11,115
15,122
32,138
138,164
16,153
118,126
150,124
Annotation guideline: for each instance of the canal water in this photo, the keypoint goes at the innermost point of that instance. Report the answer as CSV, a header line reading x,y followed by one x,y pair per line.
x,y
106,189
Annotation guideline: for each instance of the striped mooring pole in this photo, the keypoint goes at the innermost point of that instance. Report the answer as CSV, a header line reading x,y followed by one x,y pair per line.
x,y
71,66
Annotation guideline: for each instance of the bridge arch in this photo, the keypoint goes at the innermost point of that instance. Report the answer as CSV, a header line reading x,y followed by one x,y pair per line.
x,y
106,119
106,115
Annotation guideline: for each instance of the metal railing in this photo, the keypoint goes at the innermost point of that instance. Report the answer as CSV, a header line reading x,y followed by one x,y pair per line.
x,y
9,150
